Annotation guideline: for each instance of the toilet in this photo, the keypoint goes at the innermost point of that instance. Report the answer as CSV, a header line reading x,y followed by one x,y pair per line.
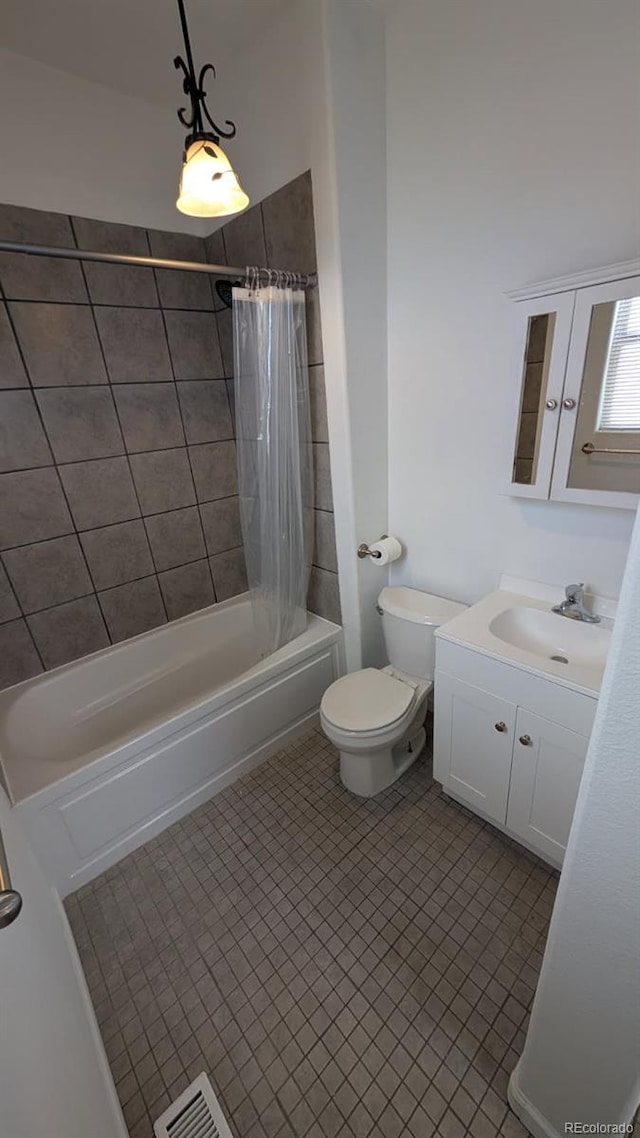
x,y
375,717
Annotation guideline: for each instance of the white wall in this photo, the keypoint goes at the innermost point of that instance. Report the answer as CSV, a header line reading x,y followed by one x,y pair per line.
x,y
79,147
76,147
54,1076
510,159
356,370
274,93
580,1061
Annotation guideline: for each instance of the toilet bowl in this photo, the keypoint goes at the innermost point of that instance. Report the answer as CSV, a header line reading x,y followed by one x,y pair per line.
x,y
375,716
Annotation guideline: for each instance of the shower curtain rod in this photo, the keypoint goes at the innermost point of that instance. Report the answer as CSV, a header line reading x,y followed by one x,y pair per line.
x,y
307,280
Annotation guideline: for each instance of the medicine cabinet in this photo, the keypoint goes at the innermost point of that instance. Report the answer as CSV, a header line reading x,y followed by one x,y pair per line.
x,y
576,389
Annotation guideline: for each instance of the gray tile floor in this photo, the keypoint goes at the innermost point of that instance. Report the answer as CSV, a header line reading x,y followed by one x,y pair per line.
x,y
339,967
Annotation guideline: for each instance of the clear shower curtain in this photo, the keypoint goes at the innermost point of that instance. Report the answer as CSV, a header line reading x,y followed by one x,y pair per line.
x,y
273,433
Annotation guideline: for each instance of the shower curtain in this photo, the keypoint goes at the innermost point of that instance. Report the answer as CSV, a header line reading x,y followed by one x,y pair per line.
x,y
273,434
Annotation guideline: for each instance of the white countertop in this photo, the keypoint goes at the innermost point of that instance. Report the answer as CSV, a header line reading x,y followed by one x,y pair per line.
x,y
583,645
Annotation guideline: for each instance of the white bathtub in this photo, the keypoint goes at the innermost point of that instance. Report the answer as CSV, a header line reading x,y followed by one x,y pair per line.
x,y
101,754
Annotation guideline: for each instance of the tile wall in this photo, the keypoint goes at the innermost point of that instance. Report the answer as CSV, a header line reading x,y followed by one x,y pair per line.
x,y
118,491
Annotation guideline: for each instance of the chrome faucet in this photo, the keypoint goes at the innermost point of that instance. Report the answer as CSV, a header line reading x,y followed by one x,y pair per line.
x,y
573,605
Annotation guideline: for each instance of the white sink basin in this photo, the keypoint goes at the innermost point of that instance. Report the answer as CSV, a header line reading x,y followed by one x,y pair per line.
x,y
523,631
553,637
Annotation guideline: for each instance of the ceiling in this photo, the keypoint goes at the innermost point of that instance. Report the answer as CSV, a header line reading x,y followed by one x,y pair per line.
x,y
129,45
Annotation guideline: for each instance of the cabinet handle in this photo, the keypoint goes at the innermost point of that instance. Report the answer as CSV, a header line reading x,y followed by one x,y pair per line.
x,y
501,726
568,404
551,404
525,740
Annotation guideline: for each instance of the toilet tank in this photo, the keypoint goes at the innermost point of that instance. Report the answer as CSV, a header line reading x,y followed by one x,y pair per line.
x,y
409,620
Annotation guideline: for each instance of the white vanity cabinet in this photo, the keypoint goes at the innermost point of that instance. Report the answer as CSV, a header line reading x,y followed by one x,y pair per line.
x,y
510,745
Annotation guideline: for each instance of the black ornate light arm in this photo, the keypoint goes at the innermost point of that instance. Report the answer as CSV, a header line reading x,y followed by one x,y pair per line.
x,y
194,88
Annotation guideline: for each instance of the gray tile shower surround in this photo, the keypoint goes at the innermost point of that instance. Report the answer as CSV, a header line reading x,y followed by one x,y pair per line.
x,y
118,491
338,967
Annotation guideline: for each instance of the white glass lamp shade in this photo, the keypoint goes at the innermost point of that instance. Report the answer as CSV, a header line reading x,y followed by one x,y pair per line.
x,y
209,186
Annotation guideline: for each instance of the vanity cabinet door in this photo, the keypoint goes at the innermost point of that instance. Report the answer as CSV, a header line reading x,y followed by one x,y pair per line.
x,y
538,364
545,776
473,742
600,410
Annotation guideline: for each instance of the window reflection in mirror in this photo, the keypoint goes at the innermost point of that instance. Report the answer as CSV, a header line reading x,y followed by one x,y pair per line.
x,y
606,444
537,357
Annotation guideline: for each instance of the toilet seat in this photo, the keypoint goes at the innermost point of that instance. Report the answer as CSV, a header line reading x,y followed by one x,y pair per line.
x,y
367,700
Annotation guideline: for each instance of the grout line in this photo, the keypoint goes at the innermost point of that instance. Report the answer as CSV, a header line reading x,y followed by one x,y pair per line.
x,y
110,383
71,514
186,444
121,522
106,457
21,617
129,468
52,466
11,589
73,231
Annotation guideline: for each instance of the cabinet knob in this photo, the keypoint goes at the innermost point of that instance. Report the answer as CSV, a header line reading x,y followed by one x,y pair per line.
x,y
551,404
501,726
525,740
568,404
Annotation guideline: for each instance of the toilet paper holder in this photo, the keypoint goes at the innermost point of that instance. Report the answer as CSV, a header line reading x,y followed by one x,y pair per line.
x,y
364,551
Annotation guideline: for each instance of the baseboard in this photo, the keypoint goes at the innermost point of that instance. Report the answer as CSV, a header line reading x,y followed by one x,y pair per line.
x,y
120,1129
528,1114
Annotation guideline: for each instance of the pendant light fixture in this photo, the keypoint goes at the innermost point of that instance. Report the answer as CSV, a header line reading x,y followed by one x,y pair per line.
x,y
209,186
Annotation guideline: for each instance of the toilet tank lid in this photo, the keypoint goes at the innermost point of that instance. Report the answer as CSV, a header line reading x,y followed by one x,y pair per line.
x,y
418,607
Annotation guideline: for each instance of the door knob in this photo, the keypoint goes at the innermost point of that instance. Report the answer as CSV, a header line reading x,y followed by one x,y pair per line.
x,y
501,726
568,404
525,740
551,404
10,900
10,906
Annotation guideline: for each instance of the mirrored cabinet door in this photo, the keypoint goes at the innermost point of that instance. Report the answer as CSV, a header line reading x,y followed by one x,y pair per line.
x,y
598,452
538,369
